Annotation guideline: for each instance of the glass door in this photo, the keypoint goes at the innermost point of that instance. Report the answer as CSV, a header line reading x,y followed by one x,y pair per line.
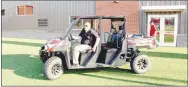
x,y
166,26
157,22
169,30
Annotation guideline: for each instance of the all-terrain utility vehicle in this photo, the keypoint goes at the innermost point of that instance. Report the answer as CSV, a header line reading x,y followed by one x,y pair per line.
x,y
56,54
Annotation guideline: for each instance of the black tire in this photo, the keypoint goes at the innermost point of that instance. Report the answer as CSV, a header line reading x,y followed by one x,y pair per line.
x,y
140,63
53,68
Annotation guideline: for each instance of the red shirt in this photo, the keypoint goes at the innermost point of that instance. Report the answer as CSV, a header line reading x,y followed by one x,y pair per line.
x,y
152,30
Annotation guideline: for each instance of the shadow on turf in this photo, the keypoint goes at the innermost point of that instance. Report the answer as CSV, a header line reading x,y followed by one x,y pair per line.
x,y
124,80
22,43
30,66
23,65
121,72
166,55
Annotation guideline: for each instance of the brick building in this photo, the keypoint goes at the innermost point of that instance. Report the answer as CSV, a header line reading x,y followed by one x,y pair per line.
x,y
129,9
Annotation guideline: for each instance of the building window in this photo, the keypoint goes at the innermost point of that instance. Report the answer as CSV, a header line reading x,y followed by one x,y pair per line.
x,y
24,10
3,12
20,10
29,10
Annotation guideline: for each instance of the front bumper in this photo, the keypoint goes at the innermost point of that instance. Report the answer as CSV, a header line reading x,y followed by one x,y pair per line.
x,y
43,55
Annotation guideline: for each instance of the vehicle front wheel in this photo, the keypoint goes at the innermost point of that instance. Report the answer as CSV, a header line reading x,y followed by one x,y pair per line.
x,y
53,68
140,63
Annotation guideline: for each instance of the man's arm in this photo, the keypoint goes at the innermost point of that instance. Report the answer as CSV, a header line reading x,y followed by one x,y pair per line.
x,y
97,40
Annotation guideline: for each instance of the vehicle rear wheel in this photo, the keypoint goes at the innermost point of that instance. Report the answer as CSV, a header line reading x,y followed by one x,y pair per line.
x,y
140,63
53,68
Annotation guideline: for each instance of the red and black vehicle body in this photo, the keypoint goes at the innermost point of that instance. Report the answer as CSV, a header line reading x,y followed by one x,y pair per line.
x,y
56,54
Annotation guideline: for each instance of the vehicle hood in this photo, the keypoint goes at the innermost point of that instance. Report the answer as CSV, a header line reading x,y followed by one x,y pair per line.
x,y
53,43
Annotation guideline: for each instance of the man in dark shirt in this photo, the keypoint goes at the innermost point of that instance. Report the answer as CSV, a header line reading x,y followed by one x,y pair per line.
x,y
87,35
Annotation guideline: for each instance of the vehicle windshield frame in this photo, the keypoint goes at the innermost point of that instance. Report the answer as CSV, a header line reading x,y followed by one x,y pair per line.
x,y
69,29
76,18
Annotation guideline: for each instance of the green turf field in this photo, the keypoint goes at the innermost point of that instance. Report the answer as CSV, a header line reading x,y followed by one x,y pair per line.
x,y
21,66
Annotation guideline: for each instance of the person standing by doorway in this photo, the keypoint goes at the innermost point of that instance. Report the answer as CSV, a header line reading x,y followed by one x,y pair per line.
x,y
153,32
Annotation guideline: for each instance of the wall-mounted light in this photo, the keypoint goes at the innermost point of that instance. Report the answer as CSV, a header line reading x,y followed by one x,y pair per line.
x,y
116,1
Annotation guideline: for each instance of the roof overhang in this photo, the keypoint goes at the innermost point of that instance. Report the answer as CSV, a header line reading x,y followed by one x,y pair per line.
x,y
97,17
163,8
